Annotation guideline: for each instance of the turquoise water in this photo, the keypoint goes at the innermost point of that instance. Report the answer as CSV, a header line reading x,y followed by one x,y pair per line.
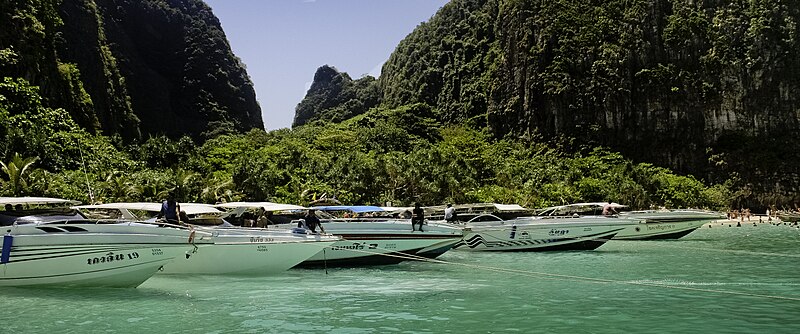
x,y
715,280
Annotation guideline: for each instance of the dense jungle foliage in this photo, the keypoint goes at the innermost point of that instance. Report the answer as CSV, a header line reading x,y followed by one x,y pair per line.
x,y
397,155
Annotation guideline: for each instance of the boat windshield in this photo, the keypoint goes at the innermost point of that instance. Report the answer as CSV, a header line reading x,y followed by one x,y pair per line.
x,y
37,215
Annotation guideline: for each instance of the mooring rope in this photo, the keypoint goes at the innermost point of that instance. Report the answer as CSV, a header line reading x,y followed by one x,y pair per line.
x,y
538,274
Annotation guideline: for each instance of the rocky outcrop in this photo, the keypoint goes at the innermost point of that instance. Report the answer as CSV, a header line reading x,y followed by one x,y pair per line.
x,y
334,96
130,67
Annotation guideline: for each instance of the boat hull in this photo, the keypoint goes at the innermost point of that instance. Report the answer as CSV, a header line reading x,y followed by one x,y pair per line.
x,y
382,242
119,256
536,234
362,250
257,258
664,225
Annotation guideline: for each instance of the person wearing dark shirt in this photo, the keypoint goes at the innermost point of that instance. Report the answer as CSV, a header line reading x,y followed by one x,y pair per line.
x,y
170,209
312,222
417,217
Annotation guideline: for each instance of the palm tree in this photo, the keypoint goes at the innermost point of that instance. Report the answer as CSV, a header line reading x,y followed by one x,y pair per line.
x,y
15,170
216,189
183,181
119,186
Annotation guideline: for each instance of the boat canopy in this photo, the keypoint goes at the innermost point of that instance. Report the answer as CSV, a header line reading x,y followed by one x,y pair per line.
x,y
483,207
267,206
351,208
580,208
36,201
189,208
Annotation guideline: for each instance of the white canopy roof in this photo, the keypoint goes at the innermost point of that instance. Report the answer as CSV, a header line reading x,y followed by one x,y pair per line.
x,y
587,204
36,200
268,206
189,208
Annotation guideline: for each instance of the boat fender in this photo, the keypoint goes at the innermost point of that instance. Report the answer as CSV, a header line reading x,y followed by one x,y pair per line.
x,y
8,240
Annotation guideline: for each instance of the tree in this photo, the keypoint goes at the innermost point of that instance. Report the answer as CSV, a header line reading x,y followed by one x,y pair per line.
x,y
15,171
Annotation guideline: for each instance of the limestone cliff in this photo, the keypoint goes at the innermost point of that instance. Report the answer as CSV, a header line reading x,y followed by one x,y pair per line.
x,y
131,67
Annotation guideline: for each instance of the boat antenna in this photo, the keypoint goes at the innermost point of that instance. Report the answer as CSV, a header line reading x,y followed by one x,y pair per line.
x,y
86,176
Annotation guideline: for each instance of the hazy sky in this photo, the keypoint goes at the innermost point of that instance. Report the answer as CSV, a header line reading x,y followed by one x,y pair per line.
x,y
283,42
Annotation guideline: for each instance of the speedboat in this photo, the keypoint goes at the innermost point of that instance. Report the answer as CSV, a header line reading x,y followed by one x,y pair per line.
x,y
665,224
488,232
233,250
369,239
41,247
649,224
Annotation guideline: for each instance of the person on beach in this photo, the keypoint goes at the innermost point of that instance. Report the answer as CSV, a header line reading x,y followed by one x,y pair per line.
x,y
608,209
417,217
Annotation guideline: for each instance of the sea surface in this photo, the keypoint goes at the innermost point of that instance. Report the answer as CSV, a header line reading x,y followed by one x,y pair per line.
x,y
716,280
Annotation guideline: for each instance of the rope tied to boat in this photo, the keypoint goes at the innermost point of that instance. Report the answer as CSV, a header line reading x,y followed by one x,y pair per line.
x,y
191,241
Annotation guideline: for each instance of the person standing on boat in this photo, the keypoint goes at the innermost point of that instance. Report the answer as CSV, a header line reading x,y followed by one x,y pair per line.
x,y
312,222
450,213
609,210
263,218
170,209
417,217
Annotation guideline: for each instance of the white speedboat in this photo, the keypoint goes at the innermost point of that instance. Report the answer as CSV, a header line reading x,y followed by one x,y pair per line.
x,y
241,251
487,232
80,252
367,240
651,224
665,224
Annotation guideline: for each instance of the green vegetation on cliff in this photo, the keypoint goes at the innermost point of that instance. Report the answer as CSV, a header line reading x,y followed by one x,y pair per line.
x,y
335,97
491,101
702,87
384,155
130,68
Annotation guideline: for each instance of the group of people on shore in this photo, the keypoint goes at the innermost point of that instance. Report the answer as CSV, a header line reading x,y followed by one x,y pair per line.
x,y
742,215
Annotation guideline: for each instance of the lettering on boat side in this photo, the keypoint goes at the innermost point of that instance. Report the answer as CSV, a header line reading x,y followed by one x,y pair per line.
x,y
111,257
558,232
262,248
157,251
261,239
661,227
354,246
390,246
